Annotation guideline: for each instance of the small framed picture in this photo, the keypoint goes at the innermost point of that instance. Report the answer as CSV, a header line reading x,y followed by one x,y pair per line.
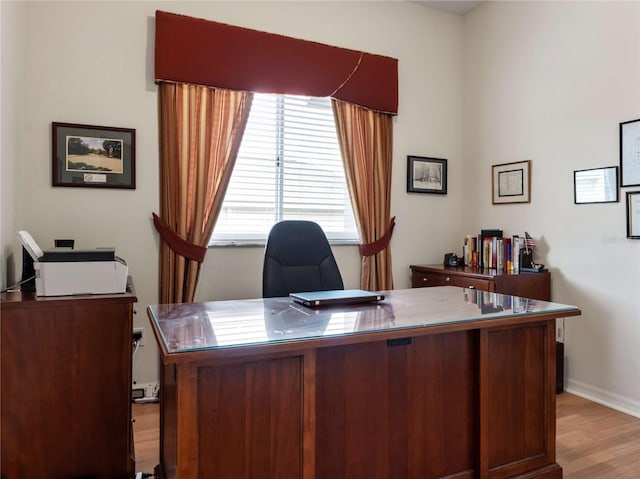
x,y
633,214
511,182
630,153
93,156
426,175
596,185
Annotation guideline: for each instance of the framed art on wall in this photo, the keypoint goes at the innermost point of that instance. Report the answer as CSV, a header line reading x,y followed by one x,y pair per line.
x,y
93,156
426,175
511,182
633,214
596,185
630,153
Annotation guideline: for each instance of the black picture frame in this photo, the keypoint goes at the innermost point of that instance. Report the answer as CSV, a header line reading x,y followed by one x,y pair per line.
x,y
93,156
633,214
630,153
426,175
596,185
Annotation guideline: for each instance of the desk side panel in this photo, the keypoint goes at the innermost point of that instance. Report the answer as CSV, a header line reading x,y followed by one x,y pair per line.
x,y
519,380
66,388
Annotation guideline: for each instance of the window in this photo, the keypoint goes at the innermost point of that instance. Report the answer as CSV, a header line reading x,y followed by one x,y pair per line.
x,y
289,167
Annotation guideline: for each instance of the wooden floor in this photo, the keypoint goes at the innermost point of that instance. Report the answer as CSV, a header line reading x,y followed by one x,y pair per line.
x,y
593,441
146,435
596,442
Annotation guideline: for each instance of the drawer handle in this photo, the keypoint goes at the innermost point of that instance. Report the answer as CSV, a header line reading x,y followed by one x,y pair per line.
x,y
471,286
425,280
447,279
398,342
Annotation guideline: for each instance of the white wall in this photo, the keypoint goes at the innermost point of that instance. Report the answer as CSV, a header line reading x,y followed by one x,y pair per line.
x,y
12,47
92,63
550,82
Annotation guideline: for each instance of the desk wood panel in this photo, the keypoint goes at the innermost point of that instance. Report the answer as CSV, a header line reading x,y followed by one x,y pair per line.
x,y
250,418
516,381
399,411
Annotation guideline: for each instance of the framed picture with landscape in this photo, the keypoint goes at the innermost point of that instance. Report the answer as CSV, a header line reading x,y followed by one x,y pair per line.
x,y
426,175
93,156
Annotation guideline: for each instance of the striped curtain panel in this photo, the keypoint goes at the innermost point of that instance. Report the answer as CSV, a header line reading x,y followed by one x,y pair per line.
x,y
366,141
200,130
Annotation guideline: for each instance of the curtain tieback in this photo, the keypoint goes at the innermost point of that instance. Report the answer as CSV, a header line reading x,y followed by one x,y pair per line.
x,y
369,249
177,244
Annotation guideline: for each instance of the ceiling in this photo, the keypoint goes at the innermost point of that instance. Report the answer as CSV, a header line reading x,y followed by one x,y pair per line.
x,y
457,7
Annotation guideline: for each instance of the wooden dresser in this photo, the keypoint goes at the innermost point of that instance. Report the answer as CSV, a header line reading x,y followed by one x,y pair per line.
x,y
66,386
528,285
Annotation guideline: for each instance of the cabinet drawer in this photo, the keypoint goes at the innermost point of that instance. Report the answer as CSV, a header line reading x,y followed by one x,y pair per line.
x,y
421,279
465,282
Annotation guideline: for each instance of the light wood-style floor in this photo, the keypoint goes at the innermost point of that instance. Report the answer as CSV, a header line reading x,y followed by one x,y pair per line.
x,y
593,441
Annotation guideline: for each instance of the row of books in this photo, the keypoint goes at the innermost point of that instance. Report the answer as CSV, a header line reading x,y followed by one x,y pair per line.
x,y
492,250
489,302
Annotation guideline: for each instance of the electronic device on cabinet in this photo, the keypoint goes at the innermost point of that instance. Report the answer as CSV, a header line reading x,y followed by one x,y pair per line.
x,y
67,271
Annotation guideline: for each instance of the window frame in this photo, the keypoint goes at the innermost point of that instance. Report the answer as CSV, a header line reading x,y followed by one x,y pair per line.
x,y
280,164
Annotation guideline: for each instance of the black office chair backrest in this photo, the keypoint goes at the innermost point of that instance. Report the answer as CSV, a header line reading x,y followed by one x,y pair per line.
x,y
298,258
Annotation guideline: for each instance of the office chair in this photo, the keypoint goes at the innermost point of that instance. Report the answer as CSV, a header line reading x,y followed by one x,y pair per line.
x,y
298,258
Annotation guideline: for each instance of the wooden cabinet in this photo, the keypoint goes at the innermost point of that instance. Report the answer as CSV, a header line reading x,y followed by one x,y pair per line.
x,y
527,285
66,386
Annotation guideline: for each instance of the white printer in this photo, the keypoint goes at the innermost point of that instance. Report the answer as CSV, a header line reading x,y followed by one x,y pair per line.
x,y
65,271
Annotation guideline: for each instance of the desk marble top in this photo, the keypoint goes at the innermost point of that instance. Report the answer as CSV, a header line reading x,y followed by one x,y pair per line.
x,y
229,324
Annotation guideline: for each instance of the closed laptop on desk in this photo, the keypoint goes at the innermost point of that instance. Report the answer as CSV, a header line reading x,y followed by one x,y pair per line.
x,y
335,297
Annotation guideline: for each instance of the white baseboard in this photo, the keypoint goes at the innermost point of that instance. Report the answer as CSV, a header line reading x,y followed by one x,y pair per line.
x,y
606,398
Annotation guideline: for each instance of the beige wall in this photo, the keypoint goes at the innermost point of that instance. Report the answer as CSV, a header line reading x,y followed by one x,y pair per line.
x,y
92,63
530,92
12,49
550,82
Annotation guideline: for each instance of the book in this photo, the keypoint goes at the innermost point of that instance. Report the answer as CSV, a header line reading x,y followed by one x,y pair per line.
x,y
490,236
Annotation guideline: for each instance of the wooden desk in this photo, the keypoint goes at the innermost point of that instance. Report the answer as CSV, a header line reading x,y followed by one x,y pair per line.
x,y
66,386
430,383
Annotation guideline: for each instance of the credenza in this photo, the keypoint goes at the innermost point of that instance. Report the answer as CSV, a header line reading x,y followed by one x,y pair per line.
x,y
66,386
428,383
529,285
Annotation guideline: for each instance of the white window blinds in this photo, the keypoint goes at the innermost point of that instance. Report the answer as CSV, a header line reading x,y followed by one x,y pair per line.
x,y
288,167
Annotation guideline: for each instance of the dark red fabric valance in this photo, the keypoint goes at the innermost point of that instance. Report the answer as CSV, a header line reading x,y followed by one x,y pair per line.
x,y
204,52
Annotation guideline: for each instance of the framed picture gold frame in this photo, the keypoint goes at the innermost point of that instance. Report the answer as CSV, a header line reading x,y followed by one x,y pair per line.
x,y
511,182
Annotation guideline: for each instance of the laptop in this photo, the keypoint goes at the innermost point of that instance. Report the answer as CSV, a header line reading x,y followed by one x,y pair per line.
x,y
315,299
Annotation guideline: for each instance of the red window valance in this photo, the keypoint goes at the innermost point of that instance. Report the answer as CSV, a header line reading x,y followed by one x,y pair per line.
x,y
204,52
